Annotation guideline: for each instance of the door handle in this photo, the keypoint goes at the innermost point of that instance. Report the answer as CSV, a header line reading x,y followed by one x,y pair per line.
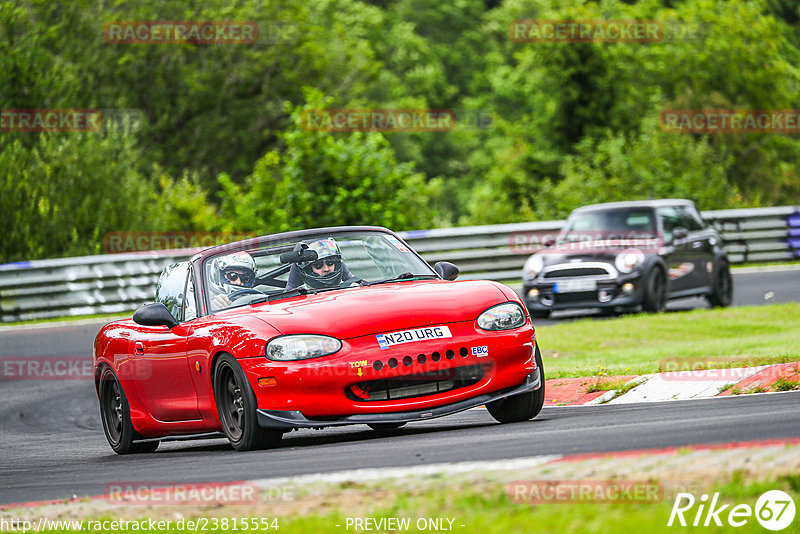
x,y
139,348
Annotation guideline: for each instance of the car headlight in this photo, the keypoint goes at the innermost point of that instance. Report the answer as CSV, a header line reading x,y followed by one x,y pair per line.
x,y
301,347
502,317
534,265
628,260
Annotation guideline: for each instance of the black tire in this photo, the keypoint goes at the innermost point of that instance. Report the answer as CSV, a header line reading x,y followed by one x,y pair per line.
x,y
236,407
655,291
721,288
115,412
520,407
384,427
540,314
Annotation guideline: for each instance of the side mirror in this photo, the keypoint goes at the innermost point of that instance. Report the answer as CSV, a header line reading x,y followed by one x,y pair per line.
x,y
154,314
548,241
300,253
446,270
679,232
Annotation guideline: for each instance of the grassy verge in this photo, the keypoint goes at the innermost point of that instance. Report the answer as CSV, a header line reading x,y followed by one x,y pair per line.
x,y
697,339
488,508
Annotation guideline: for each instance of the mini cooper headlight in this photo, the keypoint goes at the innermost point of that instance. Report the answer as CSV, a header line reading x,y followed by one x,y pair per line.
x,y
534,265
628,260
301,347
502,317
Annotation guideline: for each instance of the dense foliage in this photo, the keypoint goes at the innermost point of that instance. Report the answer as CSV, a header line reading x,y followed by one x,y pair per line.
x,y
218,144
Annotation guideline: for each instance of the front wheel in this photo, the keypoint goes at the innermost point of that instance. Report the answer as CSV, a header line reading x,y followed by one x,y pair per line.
x,y
523,406
722,288
655,291
115,413
236,406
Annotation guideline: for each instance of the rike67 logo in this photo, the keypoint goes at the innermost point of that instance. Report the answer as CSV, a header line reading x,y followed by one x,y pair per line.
x,y
774,510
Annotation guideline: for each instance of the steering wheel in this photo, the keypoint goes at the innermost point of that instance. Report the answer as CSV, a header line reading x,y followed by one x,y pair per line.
x,y
244,291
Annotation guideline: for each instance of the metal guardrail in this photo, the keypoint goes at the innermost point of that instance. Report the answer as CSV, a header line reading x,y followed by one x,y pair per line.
x,y
121,282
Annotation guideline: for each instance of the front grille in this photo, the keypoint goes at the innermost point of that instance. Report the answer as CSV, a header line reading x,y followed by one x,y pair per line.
x,y
577,271
416,385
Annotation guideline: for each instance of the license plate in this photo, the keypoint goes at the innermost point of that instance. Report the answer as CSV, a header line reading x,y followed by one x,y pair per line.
x,y
408,336
574,286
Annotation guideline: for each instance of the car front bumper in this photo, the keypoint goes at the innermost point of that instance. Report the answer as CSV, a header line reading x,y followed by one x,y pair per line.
x,y
608,294
296,419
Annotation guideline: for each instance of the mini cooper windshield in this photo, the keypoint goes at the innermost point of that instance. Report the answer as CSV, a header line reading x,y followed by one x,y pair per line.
x,y
610,224
329,261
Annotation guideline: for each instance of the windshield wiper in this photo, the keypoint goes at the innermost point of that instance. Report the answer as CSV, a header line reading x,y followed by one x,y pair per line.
x,y
403,276
296,292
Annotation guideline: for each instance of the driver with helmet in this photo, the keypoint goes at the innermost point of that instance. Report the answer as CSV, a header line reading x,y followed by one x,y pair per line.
x,y
228,275
325,272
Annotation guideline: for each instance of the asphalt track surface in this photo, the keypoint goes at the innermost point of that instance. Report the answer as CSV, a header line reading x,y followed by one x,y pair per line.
x,y
52,444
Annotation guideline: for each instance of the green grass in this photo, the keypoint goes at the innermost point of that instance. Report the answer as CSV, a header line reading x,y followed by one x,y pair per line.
x,y
784,384
71,318
677,341
487,508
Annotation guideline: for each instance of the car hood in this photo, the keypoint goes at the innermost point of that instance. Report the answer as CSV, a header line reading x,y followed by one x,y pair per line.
x,y
596,250
359,311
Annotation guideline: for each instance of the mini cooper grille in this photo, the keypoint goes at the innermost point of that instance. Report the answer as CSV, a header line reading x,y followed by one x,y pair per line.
x,y
577,271
418,385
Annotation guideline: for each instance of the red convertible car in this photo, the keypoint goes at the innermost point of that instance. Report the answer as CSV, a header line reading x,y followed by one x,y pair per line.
x,y
310,329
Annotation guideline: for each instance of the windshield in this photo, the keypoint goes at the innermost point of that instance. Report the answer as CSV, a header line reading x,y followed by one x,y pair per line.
x,y
325,262
620,224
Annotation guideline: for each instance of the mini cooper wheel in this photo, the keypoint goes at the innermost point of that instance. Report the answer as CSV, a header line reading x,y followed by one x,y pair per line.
x,y
523,406
655,291
115,413
236,406
722,288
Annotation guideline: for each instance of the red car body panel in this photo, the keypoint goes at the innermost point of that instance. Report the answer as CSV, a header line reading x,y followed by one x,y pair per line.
x,y
166,373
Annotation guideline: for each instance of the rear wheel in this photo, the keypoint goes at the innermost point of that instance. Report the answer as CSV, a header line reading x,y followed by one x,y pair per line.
x,y
540,314
236,406
722,288
115,412
523,406
655,291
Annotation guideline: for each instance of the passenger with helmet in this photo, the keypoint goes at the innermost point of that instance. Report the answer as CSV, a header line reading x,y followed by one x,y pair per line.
x,y
325,272
228,275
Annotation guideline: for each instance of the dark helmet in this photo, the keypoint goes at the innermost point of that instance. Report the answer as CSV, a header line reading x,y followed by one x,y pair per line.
x,y
327,253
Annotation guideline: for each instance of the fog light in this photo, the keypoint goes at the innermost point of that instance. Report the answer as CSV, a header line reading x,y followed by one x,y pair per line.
x,y
533,293
627,288
603,296
268,381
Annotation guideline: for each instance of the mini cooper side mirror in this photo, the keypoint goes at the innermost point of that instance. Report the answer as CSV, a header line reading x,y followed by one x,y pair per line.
x,y
679,232
548,241
154,314
446,270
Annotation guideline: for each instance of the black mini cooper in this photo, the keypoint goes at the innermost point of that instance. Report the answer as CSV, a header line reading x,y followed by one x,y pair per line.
x,y
626,256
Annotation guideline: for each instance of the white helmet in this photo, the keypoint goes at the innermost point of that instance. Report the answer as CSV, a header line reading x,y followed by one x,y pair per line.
x,y
232,272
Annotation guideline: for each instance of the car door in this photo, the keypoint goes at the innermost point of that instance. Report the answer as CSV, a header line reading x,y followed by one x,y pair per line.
x,y
700,246
160,356
679,256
